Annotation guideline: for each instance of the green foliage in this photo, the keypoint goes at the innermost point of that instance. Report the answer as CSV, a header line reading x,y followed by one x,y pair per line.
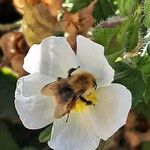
x,y
143,109
148,49
110,38
128,75
118,35
134,73
144,65
7,89
127,7
45,135
103,9
133,26
6,140
76,5
146,146
147,13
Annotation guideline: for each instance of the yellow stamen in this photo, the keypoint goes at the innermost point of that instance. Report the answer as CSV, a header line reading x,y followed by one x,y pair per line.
x,y
80,105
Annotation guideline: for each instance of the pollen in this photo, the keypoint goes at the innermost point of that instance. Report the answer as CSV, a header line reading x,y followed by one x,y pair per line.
x,y
81,105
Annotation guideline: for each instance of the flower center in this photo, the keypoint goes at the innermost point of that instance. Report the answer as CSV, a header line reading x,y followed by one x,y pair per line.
x,y
81,105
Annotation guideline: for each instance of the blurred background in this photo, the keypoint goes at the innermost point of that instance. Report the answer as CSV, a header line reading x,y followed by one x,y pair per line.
x,y
122,26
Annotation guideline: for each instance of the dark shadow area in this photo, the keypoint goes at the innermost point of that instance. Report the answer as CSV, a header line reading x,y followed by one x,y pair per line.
x,y
8,13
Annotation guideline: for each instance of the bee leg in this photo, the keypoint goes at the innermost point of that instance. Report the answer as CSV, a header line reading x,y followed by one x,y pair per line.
x,y
68,116
95,85
72,70
86,101
59,78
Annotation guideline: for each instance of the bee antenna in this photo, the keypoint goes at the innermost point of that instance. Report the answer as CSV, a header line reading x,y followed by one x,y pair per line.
x,y
67,116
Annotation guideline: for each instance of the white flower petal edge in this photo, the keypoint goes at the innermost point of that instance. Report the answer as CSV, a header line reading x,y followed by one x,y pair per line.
x,y
111,110
35,111
91,58
53,56
76,134
33,83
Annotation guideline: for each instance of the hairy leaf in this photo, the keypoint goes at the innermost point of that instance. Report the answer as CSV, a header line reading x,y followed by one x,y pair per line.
x,y
130,77
144,65
147,13
126,7
103,9
46,134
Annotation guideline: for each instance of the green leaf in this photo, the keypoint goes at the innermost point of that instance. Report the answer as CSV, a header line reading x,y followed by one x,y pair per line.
x,y
143,109
118,35
76,5
111,34
144,65
46,134
133,26
146,146
103,9
7,91
128,75
148,49
126,7
111,58
147,13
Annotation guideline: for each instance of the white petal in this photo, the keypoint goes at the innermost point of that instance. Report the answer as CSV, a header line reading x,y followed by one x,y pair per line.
x,y
111,110
35,111
53,56
91,58
33,83
76,134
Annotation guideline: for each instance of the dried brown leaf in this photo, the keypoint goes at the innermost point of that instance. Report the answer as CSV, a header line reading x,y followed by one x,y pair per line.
x,y
12,44
19,4
17,65
53,6
38,23
78,23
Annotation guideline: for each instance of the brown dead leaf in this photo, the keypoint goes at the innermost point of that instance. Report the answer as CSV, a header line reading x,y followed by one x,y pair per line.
x,y
12,44
19,5
40,20
34,2
53,6
38,23
17,65
78,23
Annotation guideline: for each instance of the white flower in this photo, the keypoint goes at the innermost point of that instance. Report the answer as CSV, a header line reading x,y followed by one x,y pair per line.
x,y
84,129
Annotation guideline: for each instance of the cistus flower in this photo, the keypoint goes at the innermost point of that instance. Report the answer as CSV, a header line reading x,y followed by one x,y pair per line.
x,y
87,124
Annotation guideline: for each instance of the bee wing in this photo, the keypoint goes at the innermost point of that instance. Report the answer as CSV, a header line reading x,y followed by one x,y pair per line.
x,y
62,109
51,88
63,94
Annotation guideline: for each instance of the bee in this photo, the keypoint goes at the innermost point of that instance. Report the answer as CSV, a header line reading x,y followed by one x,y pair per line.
x,y
66,91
